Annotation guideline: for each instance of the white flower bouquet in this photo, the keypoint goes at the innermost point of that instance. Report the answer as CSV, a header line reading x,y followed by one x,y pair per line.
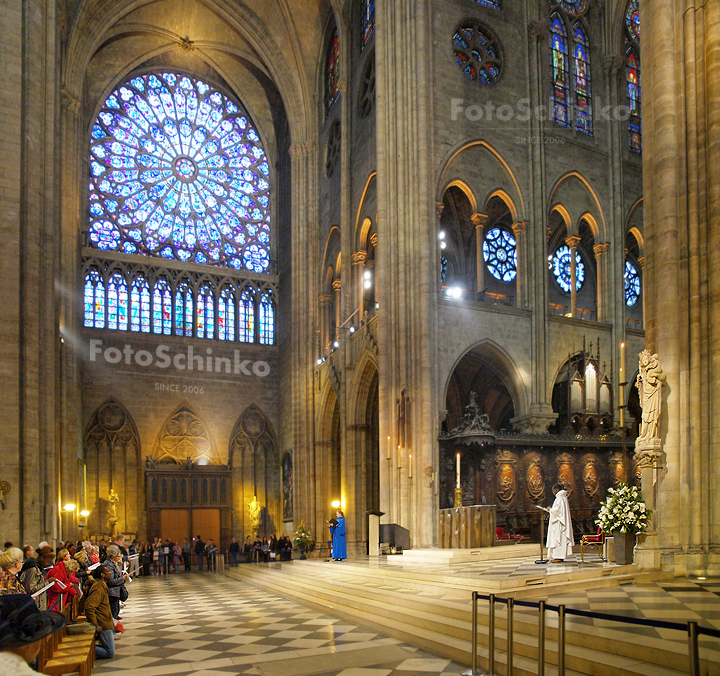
x,y
623,510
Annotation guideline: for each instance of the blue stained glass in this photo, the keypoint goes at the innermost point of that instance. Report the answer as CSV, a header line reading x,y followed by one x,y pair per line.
x,y
332,75
266,325
632,19
162,308
94,300
443,267
500,254
583,95
632,284
477,53
246,316
560,80
226,315
368,20
174,118
561,269
574,7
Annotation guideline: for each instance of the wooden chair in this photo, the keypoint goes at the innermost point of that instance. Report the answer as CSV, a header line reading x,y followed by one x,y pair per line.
x,y
592,541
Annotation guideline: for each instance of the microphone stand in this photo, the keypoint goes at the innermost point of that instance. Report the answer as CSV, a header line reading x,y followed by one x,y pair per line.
x,y
542,533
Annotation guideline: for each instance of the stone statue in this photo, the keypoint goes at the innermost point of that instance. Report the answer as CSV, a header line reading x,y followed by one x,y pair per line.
x,y
111,511
649,384
255,509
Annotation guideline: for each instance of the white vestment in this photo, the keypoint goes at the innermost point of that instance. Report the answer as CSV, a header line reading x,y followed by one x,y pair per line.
x,y
559,541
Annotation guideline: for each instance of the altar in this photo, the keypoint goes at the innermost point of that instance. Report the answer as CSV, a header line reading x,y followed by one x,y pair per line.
x,y
467,527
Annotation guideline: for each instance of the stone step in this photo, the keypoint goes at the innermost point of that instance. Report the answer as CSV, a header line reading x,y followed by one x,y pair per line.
x,y
445,627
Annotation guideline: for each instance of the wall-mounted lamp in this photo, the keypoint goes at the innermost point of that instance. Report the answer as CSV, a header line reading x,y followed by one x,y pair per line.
x,y
335,504
85,513
69,507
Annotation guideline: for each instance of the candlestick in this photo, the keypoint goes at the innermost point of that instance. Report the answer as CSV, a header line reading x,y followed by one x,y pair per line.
x,y
457,471
622,362
410,466
389,457
399,457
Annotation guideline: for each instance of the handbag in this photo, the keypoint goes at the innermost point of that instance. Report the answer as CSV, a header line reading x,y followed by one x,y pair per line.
x,y
123,593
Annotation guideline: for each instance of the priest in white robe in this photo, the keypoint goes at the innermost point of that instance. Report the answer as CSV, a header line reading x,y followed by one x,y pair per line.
x,y
559,541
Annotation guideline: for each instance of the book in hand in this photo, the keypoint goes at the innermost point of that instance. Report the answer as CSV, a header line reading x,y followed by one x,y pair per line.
x,y
42,591
94,566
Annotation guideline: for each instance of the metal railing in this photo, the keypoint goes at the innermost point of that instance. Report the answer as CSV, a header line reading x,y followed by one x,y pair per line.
x,y
694,631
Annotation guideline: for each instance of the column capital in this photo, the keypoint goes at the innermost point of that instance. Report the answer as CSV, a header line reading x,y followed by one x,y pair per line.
x,y
359,257
572,241
439,208
641,262
69,101
538,30
519,227
336,285
374,239
601,249
342,84
479,220
613,63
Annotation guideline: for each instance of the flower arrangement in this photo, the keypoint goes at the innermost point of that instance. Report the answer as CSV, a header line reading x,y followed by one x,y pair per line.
x,y
303,540
623,510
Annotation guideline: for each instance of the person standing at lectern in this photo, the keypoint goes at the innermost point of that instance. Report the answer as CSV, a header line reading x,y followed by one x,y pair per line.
x,y
559,541
339,548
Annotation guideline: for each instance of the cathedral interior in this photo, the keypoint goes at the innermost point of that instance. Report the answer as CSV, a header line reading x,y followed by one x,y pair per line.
x,y
266,257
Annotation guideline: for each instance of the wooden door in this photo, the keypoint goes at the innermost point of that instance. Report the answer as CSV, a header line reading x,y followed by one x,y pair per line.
x,y
174,525
206,524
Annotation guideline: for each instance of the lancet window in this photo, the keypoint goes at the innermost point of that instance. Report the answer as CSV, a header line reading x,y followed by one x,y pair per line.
x,y
181,304
632,76
332,72
368,20
570,72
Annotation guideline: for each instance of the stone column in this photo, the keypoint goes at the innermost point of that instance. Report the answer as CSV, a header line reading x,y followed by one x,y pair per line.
x,y
479,221
519,229
572,241
681,168
641,263
358,270
601,266
325,300
650,460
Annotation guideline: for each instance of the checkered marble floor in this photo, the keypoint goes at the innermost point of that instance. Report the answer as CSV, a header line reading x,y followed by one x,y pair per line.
x,y
198,624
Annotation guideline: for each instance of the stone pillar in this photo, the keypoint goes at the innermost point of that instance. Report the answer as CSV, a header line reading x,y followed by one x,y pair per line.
x,y
649,458
641,263
479,221
326,300
337,286
572,241
358,270
681,171
601,265
519,229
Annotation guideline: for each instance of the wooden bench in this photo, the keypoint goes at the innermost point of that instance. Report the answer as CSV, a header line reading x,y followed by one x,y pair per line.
x,y
63,653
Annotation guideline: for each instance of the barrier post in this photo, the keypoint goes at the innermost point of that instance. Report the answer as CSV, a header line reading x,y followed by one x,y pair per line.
x,y
491,634
693,654
473,671
541,638
510,613
561,640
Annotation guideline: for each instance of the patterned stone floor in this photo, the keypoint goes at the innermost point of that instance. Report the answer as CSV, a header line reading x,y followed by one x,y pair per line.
x,y
198,624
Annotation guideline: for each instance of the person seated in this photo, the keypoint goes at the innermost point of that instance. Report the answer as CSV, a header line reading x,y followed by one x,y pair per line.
x,y
11,563
32,575
22,628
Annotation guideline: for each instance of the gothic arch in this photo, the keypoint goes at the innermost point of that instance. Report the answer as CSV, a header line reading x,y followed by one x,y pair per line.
x,y
255,464
509,203
111,447
368,194
184,436
488,355
575,192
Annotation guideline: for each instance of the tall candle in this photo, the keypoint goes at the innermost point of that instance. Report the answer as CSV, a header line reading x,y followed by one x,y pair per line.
x,y
410,466
457,471
622,363
399,457
389,450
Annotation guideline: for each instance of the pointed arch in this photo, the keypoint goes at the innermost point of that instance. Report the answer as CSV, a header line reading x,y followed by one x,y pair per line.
x,y
184,435
458,183
255,463
112,453
509,203
580,200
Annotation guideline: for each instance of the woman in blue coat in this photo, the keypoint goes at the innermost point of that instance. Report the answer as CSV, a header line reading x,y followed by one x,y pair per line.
x,y
337,530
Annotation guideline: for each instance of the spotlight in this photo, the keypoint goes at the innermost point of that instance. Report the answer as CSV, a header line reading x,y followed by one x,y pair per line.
x,y
367,283
443,245
441,235
335,504
84,513
377,306
367,274
319,361
69,507
336,344
454,292
352,329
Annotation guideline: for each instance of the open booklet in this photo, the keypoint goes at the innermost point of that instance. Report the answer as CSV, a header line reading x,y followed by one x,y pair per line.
x,y
42,591
94,566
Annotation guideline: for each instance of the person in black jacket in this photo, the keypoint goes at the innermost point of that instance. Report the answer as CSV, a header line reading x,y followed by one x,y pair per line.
x,y
116,584
199,551
234,551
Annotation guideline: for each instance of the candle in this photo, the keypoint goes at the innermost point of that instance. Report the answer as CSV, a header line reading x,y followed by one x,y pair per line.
x,y
389,457
622,385
622,363
399,457
457,471
410,466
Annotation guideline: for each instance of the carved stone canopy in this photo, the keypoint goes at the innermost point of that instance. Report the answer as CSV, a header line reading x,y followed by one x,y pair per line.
x,y
474,428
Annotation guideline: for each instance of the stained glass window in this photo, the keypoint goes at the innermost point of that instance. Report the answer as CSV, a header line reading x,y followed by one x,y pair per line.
x,y
560,265
162,307
632,284
560,78
226,315
632,20
581,75
495,4
205,315
574,7
632,76
443,267
500,254
368,20
477,52
177,170
94,300
117,302
246,316
332,72
183,309
266,325
140,304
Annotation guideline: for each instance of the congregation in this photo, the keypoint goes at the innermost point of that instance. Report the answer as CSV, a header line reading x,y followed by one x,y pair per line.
x,y
93,577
